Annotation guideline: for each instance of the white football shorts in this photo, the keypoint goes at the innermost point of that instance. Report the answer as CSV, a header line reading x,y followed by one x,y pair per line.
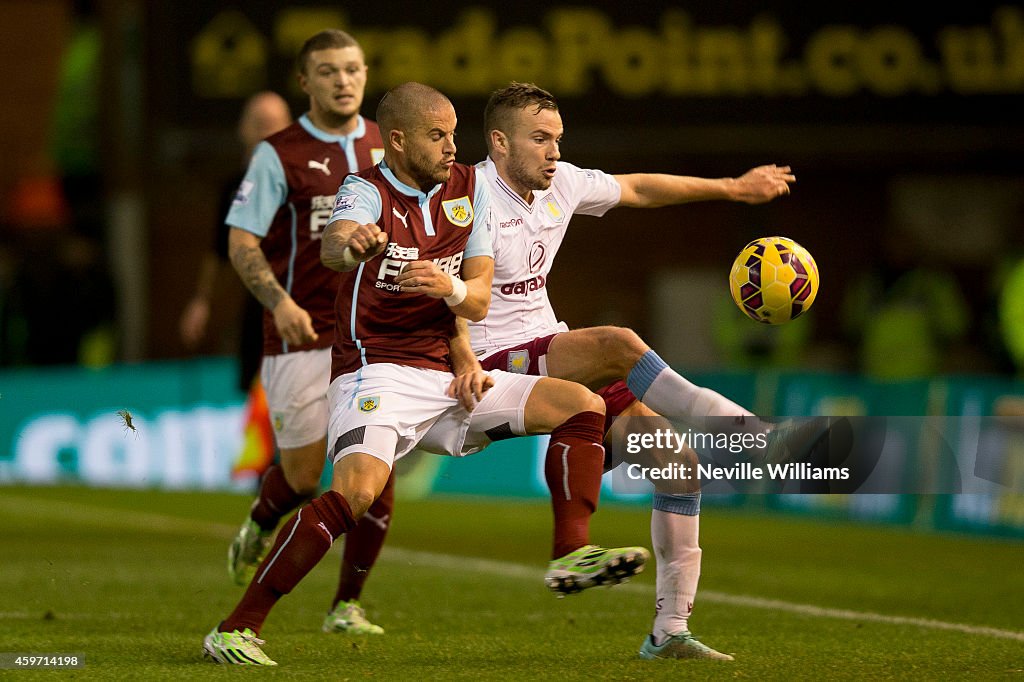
x,y
386,410
296,386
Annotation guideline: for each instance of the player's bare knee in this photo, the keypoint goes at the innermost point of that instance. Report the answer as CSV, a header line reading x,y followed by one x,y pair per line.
x,y
303,482
307,485
622,347
303,478
575,399
580,399
555,401
590,401
677,486
359,500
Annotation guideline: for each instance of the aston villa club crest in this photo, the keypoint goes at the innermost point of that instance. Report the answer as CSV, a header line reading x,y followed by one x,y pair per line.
x,y
369,403
459,211
553,209
519,361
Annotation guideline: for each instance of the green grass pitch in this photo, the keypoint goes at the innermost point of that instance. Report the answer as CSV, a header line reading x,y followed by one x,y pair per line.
x,y
132,580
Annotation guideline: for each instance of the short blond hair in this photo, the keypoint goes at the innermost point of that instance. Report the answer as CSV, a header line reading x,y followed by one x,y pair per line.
x,y
328,39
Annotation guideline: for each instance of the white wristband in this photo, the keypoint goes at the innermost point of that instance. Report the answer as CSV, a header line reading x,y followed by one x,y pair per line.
x,y
347,259
459,292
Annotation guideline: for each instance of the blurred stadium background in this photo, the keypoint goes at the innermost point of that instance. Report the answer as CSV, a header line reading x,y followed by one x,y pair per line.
x,y
902,126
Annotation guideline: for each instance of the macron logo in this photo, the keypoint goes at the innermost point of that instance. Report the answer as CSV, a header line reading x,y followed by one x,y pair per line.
x,y
514,222
321,166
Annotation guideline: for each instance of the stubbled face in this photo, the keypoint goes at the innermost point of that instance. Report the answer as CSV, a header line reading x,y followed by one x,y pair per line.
x,y
429,148
335,80
533,149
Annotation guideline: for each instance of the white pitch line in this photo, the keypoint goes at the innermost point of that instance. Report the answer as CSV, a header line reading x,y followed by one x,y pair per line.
x,y
449,562
63,615
74,512
846,614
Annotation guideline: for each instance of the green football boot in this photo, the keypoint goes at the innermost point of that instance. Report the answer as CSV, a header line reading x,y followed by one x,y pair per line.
x,y
591,565
235,648
247,550
680,645
350,617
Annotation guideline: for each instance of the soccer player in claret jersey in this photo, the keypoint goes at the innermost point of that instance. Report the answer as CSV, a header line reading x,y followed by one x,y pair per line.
x,y
275,222
535,195
414,232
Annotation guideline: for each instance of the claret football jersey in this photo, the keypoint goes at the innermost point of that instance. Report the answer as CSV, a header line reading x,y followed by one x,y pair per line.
x,y
526,237
286,199
378,323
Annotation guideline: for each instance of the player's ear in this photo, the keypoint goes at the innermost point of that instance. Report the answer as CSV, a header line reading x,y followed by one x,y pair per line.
x,y
397,140
499,141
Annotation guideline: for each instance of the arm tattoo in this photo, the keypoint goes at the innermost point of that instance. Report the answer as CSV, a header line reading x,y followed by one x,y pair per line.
x,y
255,272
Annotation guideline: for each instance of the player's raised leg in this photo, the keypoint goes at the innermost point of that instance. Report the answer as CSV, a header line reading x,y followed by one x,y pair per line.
x,y
598,356
573,467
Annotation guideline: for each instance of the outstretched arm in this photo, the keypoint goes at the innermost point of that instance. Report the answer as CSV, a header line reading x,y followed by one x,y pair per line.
x,y
756,186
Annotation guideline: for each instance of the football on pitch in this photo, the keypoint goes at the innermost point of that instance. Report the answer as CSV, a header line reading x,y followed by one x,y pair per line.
x,y
773,280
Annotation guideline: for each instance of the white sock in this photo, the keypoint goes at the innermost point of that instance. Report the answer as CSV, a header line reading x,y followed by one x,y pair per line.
x,y
669,394
675,540
672,396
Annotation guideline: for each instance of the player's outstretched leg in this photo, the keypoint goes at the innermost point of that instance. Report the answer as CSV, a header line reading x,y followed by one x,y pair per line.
x,y
675,525
793,439
671,395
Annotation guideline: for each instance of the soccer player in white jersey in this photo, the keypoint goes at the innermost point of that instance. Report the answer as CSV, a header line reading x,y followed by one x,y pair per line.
x,y
534,196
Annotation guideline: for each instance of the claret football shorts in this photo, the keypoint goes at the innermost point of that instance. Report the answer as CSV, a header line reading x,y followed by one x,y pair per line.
x,y
531,358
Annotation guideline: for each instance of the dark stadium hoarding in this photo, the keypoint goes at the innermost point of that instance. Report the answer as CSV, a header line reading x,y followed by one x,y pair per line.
x,y
662,63
63,427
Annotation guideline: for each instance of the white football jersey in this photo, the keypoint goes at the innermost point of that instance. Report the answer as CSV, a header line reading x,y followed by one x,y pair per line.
x,y
526,238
